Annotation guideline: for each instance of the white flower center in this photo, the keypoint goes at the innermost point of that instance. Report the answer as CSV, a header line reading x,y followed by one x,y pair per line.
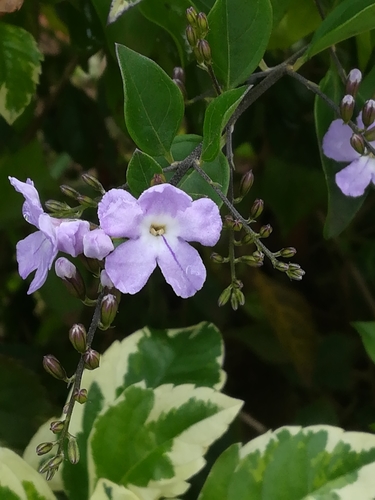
x,y
159,225
157,230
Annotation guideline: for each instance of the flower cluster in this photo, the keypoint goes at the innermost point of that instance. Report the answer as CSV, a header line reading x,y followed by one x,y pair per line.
x,y
154,230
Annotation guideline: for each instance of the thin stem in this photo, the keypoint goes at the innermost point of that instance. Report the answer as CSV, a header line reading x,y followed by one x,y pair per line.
x,y
214,80
183,166
229,155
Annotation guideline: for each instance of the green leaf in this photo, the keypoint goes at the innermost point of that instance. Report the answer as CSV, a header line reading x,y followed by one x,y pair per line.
x,y
366,329
140,172
217,115
119,7
349,18
153,106
341,208
156,438
107,490
19,70
317,462
279,8
239,33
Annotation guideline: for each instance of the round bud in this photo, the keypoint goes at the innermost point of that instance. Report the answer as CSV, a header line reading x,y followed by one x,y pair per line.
x,y
281,266
80,395
71,277
347,107
178,74
53,366
265,231
257,209
91,359
353,81
56,426
158,179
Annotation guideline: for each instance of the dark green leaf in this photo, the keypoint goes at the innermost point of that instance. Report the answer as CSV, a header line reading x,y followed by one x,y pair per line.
x,y
239,33
217,115
154,105
341,208
140,172
19,70
348,19
279,8
366,329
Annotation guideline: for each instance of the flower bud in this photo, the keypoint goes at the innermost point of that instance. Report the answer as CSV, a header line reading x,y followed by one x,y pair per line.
x,y
56,426
247,239
93,182
224,296
265,231
237,299
181,86
257,209
108,311
69,191
357,143
57,206
52,463
202,24
369,134
352,82
281,266
44,448
91,359
191,36
80,395
92,265
71,277
295,272
50,473
368,113
191,16
53,366
205,51
78,337
86,201
287,252
158,179
218,259
246,183
73,450
347,107
178,74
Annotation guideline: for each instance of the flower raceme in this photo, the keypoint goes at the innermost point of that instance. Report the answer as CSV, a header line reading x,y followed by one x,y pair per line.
x,y
355,177
158,226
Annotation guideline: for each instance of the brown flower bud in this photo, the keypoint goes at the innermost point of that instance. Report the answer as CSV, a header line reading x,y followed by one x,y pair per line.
x,y
205,51
179,74
357,143
246,183
91,359
158,179
108,311
257,209
80,395
71,277
78,337
368,113
347,107
53,366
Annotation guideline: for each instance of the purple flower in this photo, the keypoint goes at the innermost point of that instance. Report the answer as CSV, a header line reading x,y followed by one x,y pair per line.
x,y
38,250
159,224
97,245
353,179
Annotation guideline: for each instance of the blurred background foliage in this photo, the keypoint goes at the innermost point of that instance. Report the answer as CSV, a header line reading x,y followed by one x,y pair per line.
x,y
291,352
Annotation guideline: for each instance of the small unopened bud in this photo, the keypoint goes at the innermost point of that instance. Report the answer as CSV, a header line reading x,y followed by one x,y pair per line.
x,y
191,36
352,82
205,51
57,206
44,448
191,16
52,463
80,395
181,86
250,260
258,255
71,277
78,337
368,113
56,426
257,209
86,201
265,231
219,259
69,191
288,252
246,183
91,359
237,299
53,366
369,134
202,24
73,450
108,311
247,239
295,272
93,182
224,296
91,265
158,179
281,266
347,107
179,74
357,143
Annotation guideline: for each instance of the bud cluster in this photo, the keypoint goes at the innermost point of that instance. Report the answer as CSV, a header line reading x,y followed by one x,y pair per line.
x,y
234,294
196,33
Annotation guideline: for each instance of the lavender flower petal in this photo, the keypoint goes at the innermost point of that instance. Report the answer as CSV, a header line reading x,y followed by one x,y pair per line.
x,y
164,199
336,142
70,234
32,208
201,222
119,214
97,245
353,179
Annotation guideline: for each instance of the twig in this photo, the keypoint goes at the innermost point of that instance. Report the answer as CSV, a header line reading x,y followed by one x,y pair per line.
x,y
252,422
183,166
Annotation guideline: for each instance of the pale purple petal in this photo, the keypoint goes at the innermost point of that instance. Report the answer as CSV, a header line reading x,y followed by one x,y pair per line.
x,y
64,268
70,234
119,214
182,267
97,244
336,142
105,280
201,222
36,251
164,199
32,207
130,265
48,226
353,179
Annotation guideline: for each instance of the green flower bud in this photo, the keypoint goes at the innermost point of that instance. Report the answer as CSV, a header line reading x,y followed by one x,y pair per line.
x,y
287,252
202,24
191,36
347,107
50,474
44,448
357,143
246,183
78,337
247,239
257,209
52,463
69,191
258,255
281,266
218,259
205,51
108,311
158,179
91,359
56,426
53,366
368,113
73,450
237,299
265,231
57,206
93,182
80,395
86,201
369,134
353,81
179,74
191,16
250,260
224,296
295,272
